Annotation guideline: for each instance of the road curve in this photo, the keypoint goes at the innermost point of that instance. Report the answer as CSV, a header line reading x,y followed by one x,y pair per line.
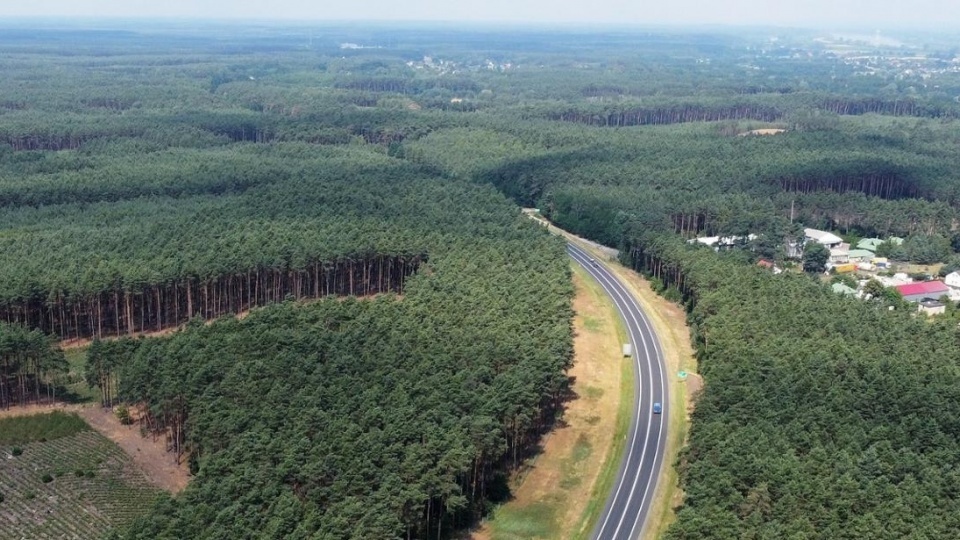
x,y
628,506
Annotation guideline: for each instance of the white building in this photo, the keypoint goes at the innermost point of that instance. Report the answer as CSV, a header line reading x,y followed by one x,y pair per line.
x,y
952,280
822,237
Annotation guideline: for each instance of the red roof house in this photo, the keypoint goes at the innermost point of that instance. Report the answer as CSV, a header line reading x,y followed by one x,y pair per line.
x,y
913,292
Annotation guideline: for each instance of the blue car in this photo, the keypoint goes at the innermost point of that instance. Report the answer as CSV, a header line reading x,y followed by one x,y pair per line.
x,y
657,408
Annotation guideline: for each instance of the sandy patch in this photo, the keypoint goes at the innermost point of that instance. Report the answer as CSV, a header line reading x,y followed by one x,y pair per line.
x,y
149,453
765,131
29,410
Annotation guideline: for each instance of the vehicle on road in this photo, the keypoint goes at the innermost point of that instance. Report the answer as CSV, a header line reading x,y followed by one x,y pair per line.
x,y
657,408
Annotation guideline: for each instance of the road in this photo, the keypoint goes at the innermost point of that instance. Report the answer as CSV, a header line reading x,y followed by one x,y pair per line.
x,y
628,507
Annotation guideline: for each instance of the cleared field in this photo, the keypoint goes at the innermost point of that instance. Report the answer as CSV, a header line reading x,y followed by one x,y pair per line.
x,y
74,487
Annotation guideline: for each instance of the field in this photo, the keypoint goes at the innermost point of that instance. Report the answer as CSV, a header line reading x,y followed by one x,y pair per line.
x,y
77,486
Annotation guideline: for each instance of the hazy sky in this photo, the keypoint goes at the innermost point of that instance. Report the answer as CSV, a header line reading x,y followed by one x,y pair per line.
x,y
939,13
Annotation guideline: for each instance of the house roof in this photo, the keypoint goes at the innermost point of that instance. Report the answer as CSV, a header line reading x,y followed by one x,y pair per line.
x,y
860,254
925,287
869,244
765,263
840,288
823,237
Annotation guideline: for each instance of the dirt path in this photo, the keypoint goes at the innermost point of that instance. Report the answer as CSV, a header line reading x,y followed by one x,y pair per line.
x,y
149,453
151,456
552,492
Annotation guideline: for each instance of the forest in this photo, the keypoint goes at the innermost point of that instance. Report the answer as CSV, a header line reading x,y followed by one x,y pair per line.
x,y
371,338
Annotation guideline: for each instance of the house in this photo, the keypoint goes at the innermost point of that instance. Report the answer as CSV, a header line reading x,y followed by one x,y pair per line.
x,y
839,256
846,290
916,292
822,237
931,307
769,265
860,255
880,262
718,242
869,244
952,280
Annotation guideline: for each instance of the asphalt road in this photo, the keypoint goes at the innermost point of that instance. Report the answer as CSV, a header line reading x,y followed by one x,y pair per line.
x,y
627,509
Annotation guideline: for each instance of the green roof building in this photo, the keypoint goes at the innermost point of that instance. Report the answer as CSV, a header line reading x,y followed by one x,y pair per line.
x,y
869,244
861,255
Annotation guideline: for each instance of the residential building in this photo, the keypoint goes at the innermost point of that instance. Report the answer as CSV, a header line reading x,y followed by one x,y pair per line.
x,y
823,237
952,280
840,288
916,292
869,244
931,307
860,255
839,256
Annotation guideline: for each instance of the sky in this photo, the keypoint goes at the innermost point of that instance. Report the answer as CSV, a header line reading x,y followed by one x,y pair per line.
x,y
943,14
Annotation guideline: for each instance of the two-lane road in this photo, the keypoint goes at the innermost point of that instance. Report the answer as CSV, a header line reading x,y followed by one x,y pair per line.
x,y
628,506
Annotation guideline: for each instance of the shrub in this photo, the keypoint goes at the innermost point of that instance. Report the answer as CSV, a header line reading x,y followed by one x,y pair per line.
x,y
46,478
17,451
123,414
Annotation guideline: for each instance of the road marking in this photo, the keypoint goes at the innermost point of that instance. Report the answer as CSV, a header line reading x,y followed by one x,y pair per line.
x,y
615,289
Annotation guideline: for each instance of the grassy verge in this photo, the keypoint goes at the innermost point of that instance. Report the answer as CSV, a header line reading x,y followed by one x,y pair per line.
x,y
608,474
40,427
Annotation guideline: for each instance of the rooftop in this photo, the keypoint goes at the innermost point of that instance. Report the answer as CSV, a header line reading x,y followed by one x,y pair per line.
x,y
935,288
823,237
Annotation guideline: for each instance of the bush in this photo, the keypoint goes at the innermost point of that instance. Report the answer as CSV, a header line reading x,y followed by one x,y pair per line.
x,y
17,451
46,478
78,473
123,414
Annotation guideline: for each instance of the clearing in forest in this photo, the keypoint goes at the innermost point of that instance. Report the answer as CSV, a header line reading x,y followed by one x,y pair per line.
x,y
60,479
765,131
551,493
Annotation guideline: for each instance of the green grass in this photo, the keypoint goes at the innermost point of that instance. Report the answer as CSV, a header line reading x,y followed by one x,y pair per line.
x,y
40,427
591,324
77,388
592,393
76,486
537,520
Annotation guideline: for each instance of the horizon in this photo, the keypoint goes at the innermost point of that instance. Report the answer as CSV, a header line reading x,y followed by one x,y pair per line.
x,y
814,14
578,27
